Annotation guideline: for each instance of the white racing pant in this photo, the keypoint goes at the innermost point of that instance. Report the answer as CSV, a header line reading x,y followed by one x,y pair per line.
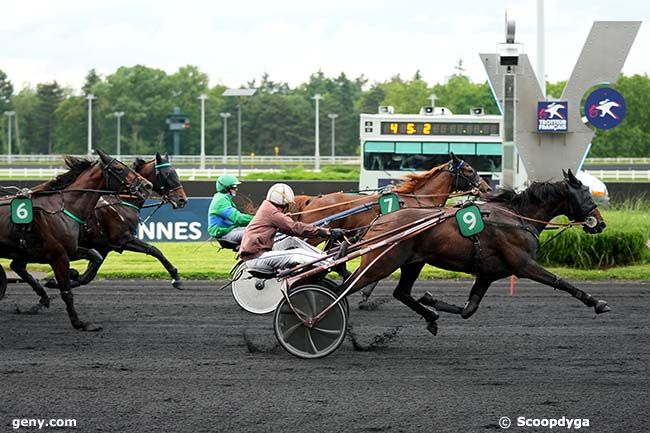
x,y
235,235
286,253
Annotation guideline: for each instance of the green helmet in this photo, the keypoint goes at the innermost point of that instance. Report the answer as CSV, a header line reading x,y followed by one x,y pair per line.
x,y
227,181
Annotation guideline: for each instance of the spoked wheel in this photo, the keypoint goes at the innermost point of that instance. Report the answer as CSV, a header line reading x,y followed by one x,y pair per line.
x,y
334,287
318,341
257,296
3,282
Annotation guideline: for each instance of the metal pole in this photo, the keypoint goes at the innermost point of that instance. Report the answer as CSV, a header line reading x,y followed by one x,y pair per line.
x,y
225,117
541,74
9,114
90,98
333,116
317,98
119,151
239,136
203,97
118,141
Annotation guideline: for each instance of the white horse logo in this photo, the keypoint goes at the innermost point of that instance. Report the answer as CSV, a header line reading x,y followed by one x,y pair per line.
x,y
552,110
605,107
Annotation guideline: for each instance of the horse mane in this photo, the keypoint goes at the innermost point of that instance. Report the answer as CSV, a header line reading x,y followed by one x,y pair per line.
x,y
75,165
536,194
413,181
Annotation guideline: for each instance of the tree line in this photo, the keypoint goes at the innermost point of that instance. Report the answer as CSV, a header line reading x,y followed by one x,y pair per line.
x,y
51,118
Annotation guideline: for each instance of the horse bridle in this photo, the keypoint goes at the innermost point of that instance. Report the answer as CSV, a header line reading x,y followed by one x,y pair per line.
x,y
583,204
457,170
111,175
161,181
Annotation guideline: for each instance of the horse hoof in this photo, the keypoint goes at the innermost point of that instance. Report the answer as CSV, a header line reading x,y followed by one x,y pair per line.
x,y
89,327
45,301
177,284
602,307
51,283
427,299
432,327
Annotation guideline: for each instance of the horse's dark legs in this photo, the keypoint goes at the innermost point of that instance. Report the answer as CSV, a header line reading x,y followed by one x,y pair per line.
x,y
61,268
480,287
95,260
20,268
537,273
410,273
139,246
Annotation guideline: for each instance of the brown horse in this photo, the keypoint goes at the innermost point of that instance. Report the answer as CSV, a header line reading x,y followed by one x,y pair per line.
x,y
507,246
114,223
425,190
61,207
428,189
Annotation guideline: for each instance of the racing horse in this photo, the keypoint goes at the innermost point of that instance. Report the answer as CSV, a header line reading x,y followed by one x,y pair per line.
x,y
429,189
61,207
507,246
114,223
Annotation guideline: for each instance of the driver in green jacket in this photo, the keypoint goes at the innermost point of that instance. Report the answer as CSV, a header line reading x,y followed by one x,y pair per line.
x,y
224,220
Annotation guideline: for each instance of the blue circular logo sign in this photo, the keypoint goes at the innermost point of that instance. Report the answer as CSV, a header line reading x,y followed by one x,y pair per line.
x,y
605,108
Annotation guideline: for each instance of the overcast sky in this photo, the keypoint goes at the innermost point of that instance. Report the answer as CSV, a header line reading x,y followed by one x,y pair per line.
x,y
236,41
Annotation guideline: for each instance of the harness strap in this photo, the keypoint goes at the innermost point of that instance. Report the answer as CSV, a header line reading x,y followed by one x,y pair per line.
x,y
74,217
126,203
166,164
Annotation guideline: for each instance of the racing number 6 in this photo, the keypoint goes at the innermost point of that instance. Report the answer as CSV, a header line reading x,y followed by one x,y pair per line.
x,y
21,212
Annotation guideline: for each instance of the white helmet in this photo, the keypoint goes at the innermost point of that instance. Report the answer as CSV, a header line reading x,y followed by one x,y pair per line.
x,y
280,194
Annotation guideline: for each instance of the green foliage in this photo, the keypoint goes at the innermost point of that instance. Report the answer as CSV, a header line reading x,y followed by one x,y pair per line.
x,y
336,172
459,94
53,119
624,242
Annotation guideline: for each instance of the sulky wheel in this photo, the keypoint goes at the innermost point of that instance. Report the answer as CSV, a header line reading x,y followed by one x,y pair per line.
x,y
332,285
324,337
3,282
255,295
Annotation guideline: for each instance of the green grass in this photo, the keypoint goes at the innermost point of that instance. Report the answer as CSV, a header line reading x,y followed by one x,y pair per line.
x,y
202,260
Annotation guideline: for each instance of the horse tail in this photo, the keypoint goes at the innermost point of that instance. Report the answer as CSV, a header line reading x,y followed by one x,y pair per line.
x,y
3,282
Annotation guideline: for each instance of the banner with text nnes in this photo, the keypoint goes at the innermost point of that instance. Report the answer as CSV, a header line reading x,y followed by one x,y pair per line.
x,y
176,225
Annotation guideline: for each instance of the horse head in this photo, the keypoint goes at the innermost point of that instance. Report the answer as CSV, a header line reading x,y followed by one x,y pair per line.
x,y
580,205
121,178
466,176
167,183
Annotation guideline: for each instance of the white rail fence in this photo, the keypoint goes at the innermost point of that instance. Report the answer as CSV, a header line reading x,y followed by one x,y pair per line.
x,y
210,173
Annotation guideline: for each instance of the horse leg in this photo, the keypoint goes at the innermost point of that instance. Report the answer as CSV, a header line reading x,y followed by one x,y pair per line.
x,y
402,293
139,246
479,288
20,268
537,273
61,268
95,260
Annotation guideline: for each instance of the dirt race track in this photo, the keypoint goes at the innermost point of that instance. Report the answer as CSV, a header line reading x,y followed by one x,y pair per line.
x,y
192,361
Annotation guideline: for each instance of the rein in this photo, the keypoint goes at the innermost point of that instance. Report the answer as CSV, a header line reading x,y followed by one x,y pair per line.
x,y
549,223
453,194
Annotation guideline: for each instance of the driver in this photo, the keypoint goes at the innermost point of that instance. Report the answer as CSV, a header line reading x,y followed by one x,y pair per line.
x,y
257,244
225,221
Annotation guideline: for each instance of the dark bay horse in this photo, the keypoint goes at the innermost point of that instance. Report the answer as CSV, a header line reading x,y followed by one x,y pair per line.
x,y
114,223
61,207
428,189
507,246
